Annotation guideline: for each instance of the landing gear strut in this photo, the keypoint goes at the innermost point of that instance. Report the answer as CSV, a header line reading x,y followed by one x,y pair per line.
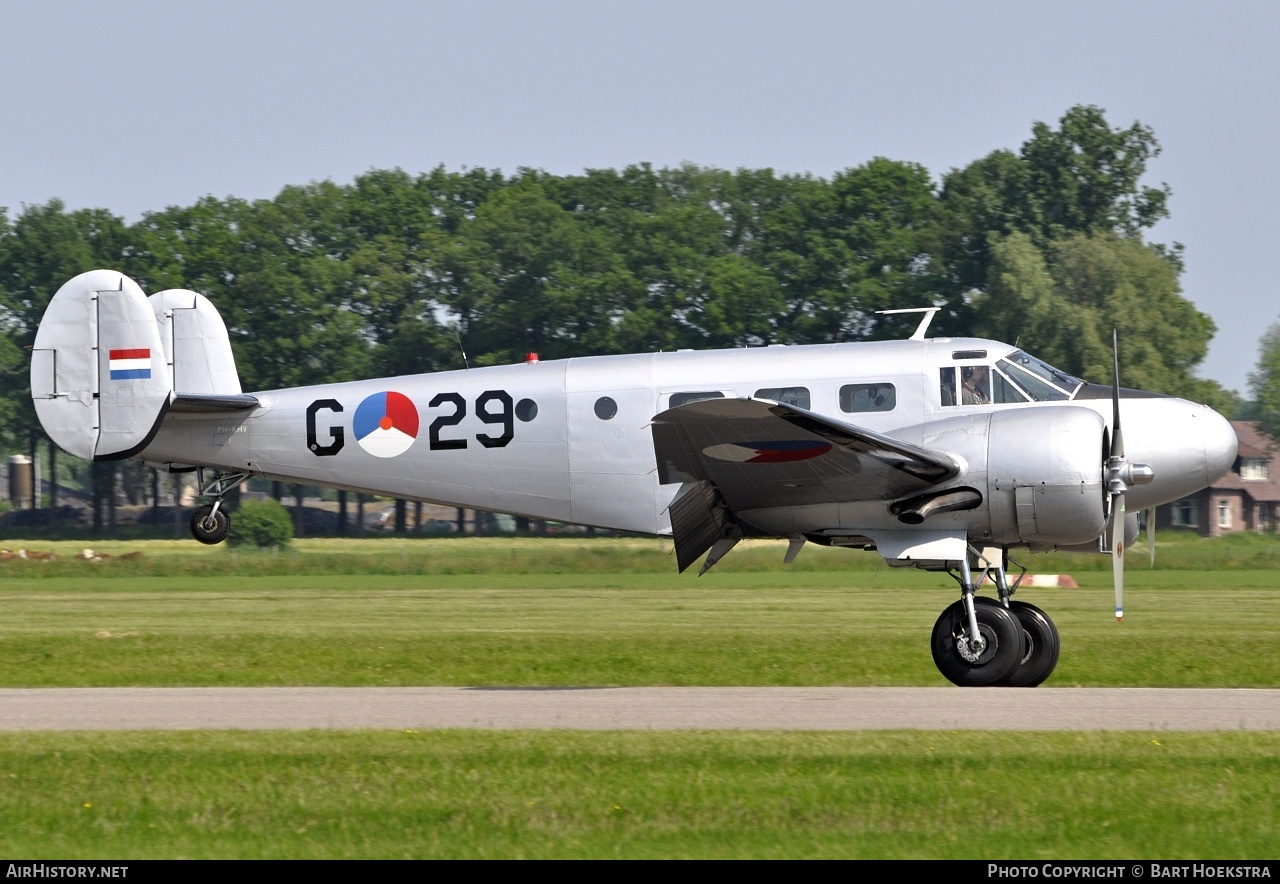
x,y
980,641
209,524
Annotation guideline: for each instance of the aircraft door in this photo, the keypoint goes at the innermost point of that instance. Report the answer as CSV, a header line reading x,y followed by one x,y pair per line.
x,y
611,464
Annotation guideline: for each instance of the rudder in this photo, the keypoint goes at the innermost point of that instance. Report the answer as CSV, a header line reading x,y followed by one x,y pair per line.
x,y
98,379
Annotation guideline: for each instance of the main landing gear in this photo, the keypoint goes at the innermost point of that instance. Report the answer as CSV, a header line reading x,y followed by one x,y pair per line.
x,y
979,642
209,524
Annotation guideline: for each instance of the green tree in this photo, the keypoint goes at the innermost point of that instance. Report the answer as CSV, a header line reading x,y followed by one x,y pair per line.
x,y
1083,177
14,369
1062,306
46,246
391,224
663,237
270,269
1264,383
883,249
525,275
43,248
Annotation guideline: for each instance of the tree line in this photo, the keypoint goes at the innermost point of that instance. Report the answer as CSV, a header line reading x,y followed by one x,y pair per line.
x,y
397,273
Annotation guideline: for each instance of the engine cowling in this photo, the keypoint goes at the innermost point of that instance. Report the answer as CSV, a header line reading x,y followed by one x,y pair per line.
x,y
1044,476
1038,471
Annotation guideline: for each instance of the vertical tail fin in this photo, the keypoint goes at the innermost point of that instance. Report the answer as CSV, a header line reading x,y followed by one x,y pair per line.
x,y
98,378
197,349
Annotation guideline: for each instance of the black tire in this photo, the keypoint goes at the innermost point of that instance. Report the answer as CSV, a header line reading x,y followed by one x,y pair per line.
x,y
1040,657
209,529
998,660
1040,637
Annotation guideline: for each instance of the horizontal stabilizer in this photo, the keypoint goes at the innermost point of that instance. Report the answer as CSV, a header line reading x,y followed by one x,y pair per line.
x,y
199,403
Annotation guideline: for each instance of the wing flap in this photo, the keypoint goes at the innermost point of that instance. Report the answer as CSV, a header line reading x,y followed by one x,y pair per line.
x,y
698,520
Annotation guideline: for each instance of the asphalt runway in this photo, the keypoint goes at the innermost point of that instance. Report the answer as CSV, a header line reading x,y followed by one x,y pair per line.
x,y
943,708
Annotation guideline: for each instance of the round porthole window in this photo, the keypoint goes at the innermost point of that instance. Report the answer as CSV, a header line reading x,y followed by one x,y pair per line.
x,y
526,410
606,408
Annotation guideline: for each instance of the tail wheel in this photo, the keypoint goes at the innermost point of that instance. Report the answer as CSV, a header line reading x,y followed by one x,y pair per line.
x,y
993,662
208,526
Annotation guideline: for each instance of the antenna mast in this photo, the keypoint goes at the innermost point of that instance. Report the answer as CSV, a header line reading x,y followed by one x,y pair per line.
x,y
918,334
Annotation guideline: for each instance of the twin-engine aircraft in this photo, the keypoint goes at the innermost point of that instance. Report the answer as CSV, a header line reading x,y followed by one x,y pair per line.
x,y
938,453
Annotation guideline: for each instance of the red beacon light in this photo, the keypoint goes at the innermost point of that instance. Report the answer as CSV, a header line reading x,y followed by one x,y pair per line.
x,y
530,358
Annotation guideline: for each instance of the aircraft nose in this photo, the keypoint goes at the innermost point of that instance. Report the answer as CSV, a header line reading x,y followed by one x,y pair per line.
x,y
1189,447
1206,446
1220,444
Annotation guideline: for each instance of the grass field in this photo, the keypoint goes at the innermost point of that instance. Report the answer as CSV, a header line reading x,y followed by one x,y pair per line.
x,y
499,611
489,794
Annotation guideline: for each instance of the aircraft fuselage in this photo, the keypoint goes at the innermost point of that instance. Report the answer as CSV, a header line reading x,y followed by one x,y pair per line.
x,y
570,440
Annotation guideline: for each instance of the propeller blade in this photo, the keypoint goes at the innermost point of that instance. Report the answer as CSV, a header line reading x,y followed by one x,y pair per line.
x,y
1151,534
1117,551
1117,440
1114,464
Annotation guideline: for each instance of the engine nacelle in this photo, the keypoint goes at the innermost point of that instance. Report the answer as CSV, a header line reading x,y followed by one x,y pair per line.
x,y
1038,469
1044,476
1100,545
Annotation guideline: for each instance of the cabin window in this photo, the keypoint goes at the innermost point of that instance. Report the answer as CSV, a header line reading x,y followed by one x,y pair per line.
x,y
947,386
1185,514
526,410
797,396
868,397
606,408
975,385
965,385
678,399
1254,470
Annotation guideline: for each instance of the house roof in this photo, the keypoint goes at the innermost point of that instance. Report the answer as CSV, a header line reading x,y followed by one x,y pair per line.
x,y
1253,444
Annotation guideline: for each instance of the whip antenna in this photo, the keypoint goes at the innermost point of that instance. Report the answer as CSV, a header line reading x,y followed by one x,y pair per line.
x,y
462,349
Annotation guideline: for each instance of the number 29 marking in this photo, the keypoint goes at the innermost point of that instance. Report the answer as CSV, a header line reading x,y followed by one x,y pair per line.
x,y
492,407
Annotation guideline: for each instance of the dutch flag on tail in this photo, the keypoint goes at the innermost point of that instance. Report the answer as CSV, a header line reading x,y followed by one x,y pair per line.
x,y
127,365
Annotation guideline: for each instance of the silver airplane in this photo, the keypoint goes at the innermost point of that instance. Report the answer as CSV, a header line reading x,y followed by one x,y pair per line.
x,y
938,453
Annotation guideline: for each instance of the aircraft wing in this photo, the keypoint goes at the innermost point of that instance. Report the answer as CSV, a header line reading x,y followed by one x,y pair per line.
x,y
744,454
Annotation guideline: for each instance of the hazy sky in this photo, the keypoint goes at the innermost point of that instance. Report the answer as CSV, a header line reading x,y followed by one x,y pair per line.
x,y
133,106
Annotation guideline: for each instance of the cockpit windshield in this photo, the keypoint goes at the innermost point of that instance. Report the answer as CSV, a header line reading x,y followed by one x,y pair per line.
x,y
1034,379
1017,378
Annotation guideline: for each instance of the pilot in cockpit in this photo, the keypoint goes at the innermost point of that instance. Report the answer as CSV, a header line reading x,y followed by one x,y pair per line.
x,y
975,385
